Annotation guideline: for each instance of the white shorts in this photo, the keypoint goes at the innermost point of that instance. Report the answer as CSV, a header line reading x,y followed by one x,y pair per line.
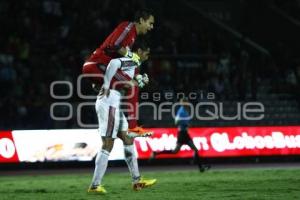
x,y
111,120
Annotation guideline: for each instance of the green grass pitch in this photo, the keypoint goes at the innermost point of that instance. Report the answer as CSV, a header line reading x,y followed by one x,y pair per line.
x,y
279,184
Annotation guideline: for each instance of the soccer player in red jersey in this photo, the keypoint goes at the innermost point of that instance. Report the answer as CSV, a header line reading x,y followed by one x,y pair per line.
x,y
118,44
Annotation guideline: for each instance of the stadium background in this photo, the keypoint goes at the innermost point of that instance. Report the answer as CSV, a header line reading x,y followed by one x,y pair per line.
x,y
242,51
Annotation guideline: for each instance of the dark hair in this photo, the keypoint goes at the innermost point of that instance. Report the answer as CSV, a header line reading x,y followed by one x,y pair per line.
x,y
140,43
144,14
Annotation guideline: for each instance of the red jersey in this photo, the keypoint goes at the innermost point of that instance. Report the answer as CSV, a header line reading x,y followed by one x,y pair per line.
x,y
124,35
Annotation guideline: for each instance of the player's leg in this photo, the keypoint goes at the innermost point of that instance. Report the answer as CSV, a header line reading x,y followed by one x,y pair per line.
x,y
129,150
129,153
138,182
135,130
108,126
131,157
181,139
133,114
197,158
173,151
94,73
194,148
101,162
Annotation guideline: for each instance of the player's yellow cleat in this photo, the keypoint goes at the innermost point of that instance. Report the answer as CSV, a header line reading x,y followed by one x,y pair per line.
x,y
97,190
139,132
143,183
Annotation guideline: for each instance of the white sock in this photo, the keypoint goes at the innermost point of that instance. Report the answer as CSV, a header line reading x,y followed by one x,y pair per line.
x,y
100,167
131,160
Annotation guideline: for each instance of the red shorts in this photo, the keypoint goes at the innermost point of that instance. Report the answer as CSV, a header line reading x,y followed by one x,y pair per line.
x,y
95,73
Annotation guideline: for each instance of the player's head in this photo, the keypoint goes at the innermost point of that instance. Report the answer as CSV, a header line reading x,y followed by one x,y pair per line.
x,y
144,20
141,48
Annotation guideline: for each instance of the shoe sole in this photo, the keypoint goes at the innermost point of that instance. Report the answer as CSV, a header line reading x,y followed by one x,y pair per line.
x,y
134,135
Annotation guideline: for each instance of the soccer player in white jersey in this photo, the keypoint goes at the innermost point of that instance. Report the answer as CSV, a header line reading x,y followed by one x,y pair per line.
x,y
113,123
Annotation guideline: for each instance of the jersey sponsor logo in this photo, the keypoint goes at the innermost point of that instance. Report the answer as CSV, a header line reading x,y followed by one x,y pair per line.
x,y
8,151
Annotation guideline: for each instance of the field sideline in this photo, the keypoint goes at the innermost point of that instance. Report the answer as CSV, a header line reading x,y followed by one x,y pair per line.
x,y
280,183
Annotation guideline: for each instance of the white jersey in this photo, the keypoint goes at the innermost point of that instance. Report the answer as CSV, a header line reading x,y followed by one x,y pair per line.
x,y
127,66
110,118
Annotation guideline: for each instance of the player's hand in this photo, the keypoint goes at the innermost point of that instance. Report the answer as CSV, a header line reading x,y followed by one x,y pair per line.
x,y
139,80
145,79
134,57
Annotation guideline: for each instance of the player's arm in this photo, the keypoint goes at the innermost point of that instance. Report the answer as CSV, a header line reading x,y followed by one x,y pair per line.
x,y
118,36
141,80
177,118
111,70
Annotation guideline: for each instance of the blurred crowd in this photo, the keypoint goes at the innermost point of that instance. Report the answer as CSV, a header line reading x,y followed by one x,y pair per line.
x,y
291,7
48,40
